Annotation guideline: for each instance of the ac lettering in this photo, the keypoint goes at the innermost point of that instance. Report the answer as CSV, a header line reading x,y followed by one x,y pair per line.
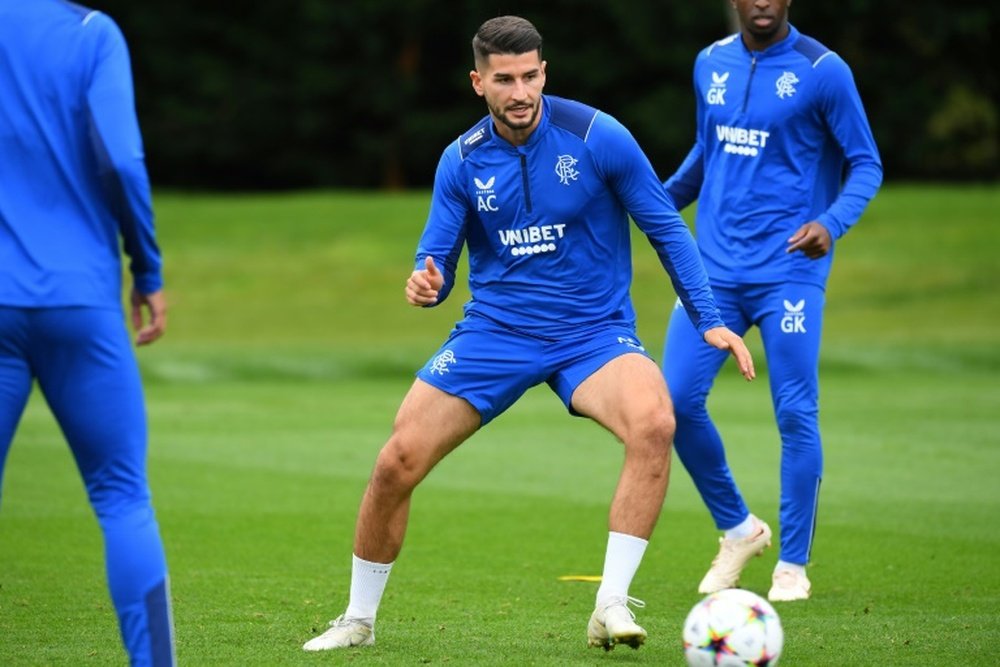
x,y
488,203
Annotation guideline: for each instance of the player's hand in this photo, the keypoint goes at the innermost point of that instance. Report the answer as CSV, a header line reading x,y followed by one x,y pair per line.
x,y
424,284
812,238
724,339
156,304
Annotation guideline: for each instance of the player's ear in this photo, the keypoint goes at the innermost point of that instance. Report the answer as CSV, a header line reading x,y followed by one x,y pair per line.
x,y
477,82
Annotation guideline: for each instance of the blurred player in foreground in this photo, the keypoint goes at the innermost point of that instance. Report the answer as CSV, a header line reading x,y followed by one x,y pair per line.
x,y
783,165
72,183
539,191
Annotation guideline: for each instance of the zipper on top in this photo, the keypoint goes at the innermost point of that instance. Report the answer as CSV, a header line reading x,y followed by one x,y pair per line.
x,y
746,95
525,183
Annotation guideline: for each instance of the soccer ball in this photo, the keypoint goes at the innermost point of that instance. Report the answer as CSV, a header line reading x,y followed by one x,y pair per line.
x,y
733,628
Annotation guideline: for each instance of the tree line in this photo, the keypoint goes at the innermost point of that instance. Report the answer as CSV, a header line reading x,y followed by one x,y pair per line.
x,y
366,93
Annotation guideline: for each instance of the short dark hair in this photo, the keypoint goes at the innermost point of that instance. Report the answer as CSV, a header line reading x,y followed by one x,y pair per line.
x,y
505,34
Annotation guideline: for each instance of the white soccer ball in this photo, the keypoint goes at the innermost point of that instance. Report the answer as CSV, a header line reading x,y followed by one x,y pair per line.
x,y
733,628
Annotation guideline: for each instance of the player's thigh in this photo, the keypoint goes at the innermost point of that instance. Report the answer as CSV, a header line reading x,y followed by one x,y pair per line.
x,y
88,373
430,423
690,365
15,375
791,326
627,396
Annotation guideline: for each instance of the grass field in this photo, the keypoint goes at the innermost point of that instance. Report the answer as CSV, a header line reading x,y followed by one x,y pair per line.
x,y
290,347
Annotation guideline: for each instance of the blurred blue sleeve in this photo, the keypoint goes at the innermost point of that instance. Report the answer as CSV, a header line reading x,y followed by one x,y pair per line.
x,y
846,118
684,186
117,142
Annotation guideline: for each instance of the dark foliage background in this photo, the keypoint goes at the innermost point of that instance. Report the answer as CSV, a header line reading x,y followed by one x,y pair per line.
x,y
366,93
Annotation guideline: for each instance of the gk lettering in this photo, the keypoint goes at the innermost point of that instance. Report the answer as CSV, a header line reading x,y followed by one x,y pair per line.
x,y
793,323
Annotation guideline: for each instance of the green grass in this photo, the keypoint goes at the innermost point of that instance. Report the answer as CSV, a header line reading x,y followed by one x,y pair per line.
x,y
290,347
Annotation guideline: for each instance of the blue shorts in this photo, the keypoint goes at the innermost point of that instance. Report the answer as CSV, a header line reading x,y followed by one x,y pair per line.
x,y
491,366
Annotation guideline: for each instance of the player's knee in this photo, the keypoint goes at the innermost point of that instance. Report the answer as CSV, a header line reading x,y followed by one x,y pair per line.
x,y
128,514
117,499
398,467
689,405
653,433
797,424
663,425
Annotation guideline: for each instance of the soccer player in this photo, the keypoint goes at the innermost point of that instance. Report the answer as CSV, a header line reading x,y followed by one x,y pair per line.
x,y
539,191
783,165
72,182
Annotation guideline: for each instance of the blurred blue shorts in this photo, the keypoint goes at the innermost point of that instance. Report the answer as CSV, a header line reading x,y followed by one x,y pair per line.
x,y
491,366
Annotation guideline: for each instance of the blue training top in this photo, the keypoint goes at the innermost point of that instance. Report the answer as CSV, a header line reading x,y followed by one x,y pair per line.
x,y
72,174
547,226
782,140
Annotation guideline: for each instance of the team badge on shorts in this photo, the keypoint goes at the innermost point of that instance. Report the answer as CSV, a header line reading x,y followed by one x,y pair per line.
x,y
439,365
631,342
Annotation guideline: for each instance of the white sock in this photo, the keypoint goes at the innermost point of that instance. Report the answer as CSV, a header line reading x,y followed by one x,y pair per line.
x,y
794,567
620,564
743,529
368,581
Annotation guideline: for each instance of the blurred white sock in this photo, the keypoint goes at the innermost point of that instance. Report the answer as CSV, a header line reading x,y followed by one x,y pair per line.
x,y
794,567
743,529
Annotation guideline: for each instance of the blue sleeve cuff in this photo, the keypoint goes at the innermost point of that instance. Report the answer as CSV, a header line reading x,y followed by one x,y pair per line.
x,y
148,283
836,230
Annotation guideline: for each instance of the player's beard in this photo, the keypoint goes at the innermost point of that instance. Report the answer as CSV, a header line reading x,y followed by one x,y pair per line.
x,y
765,35
500,115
